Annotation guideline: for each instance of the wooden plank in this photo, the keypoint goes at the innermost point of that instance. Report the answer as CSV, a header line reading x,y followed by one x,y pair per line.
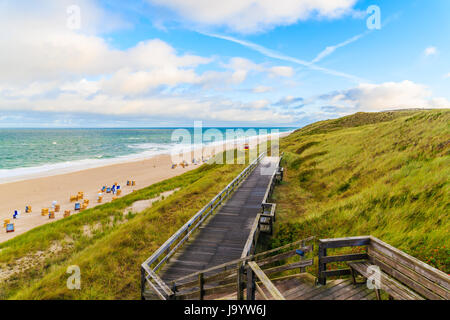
x,y
401,275
208,291
345,242
418,266
334,291
336,273
295,292
388,284
322,266
345,257
346,289
221,276
159,281
361,294
250,240
432,286
282,256
240,281
278,257
348,292
266,281
201,282
286,267
261,291
250,284
318,289
160,295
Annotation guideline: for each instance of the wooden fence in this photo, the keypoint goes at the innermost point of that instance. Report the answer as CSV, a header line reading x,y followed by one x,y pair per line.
x,y
400,275
234,277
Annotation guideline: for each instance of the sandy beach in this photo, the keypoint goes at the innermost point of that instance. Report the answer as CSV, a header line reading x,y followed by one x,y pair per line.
x,y
41,191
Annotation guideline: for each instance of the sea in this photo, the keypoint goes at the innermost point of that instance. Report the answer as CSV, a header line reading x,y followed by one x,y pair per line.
x,y
27,152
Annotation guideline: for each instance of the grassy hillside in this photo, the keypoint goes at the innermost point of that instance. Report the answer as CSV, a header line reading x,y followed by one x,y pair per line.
x,y
384,174
107,245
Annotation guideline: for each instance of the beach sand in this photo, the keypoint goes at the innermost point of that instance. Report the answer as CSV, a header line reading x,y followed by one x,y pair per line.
x,y
40,192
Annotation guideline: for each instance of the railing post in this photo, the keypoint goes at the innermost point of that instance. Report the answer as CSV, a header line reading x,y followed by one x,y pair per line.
x,y
142,283
240,281
250,284
322,266
174,289
302,245
271,225
201,283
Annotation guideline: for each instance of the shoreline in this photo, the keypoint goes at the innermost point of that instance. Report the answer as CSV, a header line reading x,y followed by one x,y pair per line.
x,y
39,192
58,168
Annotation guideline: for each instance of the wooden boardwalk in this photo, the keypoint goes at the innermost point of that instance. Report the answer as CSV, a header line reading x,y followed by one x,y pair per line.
x,y
218,260
302,287
223,237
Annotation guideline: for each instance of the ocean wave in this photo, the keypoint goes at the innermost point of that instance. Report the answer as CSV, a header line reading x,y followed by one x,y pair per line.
x,y
148,150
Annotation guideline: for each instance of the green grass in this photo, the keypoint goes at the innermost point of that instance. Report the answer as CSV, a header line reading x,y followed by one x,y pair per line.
x,y
384,174
110,259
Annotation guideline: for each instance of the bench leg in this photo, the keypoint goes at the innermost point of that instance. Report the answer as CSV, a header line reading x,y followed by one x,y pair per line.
x,y
353,276
377,293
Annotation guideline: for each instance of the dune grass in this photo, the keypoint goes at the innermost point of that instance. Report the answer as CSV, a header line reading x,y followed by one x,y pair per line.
x,y
384,174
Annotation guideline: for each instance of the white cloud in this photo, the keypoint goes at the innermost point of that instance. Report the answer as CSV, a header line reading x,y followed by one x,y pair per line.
x,y
47,67
261,89
387,96
330,49
431,51
242,67
167,107
255,15
447,76
288,100
282,71
280,56
259,104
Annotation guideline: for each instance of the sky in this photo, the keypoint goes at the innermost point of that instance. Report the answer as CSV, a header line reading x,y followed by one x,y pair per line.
x,y
167,63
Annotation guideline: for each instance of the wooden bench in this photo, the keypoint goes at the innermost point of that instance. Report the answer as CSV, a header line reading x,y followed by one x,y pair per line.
x,y
395,289
402,276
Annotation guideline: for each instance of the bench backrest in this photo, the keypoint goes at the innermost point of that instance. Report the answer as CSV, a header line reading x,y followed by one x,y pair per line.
x,y
427,281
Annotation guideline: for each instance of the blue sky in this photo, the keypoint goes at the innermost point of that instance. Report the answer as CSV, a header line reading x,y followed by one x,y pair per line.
x,y
107,63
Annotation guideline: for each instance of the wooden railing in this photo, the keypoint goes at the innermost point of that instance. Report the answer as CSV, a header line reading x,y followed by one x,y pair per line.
x,y
234,277
325,244
404,272
264,220
255,270
163,253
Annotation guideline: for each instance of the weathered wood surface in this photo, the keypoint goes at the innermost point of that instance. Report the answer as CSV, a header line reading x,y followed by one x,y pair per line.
x,y
223,237
387,284
275,294
402,276
417,282
302,287
401,258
